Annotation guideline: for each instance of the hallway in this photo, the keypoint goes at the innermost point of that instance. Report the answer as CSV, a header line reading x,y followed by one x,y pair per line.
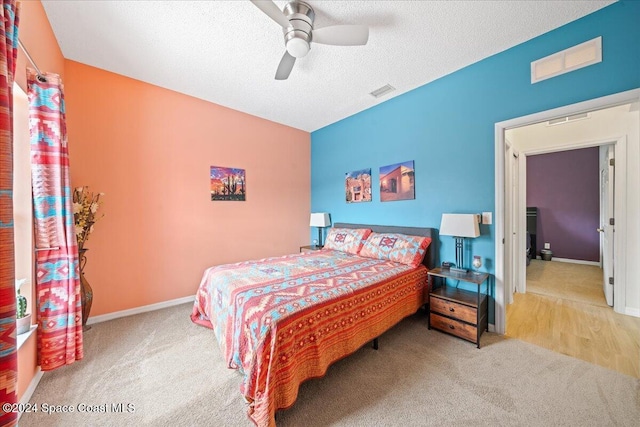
x,y
564,310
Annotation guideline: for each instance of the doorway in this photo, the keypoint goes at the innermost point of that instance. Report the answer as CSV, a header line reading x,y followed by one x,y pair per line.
x,y
566,139
504,283
568,196
569,199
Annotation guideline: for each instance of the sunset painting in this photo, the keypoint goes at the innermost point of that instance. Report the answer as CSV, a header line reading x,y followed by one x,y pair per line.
x,y
228,184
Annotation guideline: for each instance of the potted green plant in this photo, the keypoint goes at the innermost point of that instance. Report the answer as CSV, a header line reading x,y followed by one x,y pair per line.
x,y
23,319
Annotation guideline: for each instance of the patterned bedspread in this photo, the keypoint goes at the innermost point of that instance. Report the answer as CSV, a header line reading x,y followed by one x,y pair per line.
x,y
283,320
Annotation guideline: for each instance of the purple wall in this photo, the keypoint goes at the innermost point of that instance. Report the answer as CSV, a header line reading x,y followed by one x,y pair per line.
x,y
565,188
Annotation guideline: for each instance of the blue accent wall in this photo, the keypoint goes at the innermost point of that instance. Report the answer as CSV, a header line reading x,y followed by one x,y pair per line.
x,y
447,127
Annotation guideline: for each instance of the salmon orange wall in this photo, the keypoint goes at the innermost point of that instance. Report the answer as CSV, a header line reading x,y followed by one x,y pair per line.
x,y
150,150
37,36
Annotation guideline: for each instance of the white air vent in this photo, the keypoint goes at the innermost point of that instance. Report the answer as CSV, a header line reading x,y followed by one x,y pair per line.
x,y
571,59
382,91
568,119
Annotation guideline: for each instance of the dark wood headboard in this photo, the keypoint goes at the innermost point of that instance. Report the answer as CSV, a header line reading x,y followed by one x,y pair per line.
x,y
430,259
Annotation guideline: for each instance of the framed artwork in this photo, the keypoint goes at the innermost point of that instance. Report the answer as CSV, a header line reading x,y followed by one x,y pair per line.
x,y
358,186
397,182
228,184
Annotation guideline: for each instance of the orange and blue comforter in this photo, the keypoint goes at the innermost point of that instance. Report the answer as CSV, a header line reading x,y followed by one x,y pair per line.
x,y
283,320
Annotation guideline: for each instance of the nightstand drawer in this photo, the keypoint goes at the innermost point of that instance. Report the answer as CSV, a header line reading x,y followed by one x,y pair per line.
x,y
452,309
454,327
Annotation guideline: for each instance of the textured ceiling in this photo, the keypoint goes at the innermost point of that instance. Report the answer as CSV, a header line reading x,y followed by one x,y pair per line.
x,y
227,52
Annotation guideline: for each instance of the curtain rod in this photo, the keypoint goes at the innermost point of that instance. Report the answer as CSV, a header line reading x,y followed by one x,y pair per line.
x,y
24,49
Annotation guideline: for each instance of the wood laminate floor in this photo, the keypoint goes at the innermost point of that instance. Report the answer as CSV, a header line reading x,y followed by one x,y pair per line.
x,y
564,310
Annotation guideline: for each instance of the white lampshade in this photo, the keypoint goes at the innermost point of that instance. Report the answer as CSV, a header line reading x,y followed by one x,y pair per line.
x,y
459,225
319,220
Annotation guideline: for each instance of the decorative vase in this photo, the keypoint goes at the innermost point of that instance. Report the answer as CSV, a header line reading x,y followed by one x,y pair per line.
x,y
86,292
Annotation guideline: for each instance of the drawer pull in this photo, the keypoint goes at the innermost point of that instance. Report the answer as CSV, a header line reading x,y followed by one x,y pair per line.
x,y
451,309
451,327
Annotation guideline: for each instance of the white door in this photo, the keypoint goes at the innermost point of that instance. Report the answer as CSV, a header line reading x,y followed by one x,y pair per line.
x,y
509,248
607,218
514,250
518,241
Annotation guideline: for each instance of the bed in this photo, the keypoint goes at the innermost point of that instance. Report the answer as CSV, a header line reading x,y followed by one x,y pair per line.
x,y
280,321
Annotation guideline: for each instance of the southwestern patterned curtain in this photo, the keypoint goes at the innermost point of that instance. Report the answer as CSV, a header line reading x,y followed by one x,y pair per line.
x,y
59,308
8,356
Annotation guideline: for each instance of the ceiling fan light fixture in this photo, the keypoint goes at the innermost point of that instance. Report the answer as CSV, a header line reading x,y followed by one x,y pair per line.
x,y
297,47
296,21
297,36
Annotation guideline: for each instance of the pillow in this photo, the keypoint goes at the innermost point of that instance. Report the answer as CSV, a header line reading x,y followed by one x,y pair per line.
x,y
347,240
400,248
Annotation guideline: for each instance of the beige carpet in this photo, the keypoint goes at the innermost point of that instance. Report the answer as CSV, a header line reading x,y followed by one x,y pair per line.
x,y
575,282
172,372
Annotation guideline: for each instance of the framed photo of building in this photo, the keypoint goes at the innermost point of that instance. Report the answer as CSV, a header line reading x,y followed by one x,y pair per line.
x,y
228,184
358,186
397,182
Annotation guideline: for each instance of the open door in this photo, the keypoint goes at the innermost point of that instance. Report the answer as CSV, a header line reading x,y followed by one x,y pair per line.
x,y
515,242
607,218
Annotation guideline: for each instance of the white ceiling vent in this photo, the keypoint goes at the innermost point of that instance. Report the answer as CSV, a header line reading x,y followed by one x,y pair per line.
x,y
568,119
571,59
382,91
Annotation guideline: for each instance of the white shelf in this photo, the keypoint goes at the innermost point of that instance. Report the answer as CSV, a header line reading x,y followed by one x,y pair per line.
x,y
22,338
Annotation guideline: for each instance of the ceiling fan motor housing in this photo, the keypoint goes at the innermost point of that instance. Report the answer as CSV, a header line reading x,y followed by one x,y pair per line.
x,y
297,37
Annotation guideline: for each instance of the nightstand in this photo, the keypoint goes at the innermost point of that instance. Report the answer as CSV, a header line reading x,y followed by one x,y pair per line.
x,y
459,312
310,248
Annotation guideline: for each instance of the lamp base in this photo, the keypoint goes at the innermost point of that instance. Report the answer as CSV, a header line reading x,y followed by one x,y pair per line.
x,y
459,270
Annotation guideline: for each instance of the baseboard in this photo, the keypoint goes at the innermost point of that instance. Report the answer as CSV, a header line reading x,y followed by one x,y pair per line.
x,y
635,312
492,327
573,261
26,397
138,310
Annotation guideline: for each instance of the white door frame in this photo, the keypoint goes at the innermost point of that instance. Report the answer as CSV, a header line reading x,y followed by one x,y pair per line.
x,y
595,104
520,269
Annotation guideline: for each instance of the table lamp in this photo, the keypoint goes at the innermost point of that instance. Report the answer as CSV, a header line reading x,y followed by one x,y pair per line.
x,y
320,220
459,226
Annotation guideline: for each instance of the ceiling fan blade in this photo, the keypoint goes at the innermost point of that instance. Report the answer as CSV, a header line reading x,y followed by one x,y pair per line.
x,y
341,35
285,67
270,9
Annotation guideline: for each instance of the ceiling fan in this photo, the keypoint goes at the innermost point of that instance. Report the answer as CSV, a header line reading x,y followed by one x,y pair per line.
x,y
296,20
